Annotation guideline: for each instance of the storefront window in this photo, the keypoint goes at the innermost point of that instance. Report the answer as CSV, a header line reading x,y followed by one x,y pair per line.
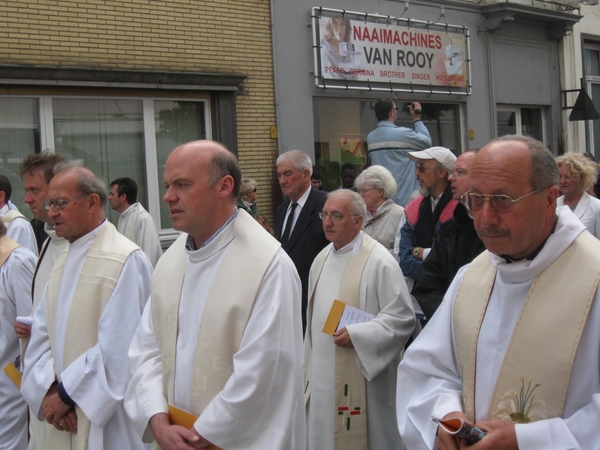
x,y
176,122
106,135
19,136
522,121
114,137
342,125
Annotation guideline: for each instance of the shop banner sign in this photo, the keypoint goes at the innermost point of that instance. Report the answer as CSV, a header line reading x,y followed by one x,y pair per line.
x,y
378,52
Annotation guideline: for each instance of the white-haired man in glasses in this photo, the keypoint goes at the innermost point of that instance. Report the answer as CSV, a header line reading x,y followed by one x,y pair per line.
x,y
349,373
514,349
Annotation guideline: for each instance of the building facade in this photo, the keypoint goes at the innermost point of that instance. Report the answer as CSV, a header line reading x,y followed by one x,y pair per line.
x,y
479,68
119,83
580,52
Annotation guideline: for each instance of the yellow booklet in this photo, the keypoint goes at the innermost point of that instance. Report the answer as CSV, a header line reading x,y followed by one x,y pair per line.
x,y
186,420
342,315
14,374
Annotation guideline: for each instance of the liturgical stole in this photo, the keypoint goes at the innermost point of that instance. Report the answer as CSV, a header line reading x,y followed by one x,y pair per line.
x,y
225,313
98,277
10,215
350,432
534,377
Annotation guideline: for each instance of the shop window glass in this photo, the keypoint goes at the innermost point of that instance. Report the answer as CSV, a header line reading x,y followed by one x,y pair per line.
x,y
19,137
342,125
176,122
523,121
107,135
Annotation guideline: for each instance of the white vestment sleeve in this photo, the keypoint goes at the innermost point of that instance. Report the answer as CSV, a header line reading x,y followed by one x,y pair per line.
x,y
22,266
383,293
263,397
147,238
21,231
429,381
38,373
144,397
97,380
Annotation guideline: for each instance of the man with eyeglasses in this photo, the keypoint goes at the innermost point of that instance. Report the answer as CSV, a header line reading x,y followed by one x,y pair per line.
x,y
388,145
424,215
349,374
514,348
76,369
37,171
455,244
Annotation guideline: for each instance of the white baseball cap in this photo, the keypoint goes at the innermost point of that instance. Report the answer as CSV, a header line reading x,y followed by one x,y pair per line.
x,y
441,154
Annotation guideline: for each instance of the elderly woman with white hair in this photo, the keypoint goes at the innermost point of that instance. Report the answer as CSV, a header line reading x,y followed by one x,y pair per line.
x,y
576,174
376,185
247,197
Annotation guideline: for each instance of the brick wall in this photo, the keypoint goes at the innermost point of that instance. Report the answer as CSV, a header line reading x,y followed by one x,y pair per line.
x,y
180,35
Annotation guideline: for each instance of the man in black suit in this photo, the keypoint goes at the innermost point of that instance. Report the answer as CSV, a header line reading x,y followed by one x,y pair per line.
x,y
297,223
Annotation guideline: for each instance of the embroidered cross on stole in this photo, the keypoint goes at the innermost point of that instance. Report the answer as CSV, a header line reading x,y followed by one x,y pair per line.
x,y
350,432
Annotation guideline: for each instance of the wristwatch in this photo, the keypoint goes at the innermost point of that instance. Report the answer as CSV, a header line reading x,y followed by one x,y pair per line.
x,y
415,252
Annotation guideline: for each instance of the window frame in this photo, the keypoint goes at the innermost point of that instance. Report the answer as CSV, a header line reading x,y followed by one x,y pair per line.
x,y
518,118
47,140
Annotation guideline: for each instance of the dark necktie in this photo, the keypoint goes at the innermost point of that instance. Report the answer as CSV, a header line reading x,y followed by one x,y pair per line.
x,y
285,237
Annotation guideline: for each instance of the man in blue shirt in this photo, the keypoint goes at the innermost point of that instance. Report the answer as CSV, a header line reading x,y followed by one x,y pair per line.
x,y
389,145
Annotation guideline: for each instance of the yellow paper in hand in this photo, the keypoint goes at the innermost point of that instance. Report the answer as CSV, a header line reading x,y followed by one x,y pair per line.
x,y
186,420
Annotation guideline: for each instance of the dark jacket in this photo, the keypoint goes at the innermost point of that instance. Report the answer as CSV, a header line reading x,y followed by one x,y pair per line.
x,y
307,238
455,245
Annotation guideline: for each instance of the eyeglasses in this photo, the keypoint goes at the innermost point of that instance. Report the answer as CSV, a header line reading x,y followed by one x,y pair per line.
x,y
60,204
499,203
335,216
365,190
459,172
422,168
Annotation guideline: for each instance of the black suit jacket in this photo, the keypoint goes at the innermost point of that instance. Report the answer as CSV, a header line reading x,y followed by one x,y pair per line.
x,y
307,238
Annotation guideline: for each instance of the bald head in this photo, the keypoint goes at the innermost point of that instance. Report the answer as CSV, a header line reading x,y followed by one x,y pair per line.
x,y
202,180
512,167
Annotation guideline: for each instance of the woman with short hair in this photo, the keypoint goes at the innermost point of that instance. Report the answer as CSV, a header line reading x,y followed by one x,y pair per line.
x,y
377,186
576,175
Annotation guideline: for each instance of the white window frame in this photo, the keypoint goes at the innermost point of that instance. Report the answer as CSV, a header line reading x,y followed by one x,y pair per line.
x,y
518,124
589,81
46,119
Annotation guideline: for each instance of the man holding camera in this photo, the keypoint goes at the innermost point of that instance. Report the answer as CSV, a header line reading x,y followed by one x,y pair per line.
x,y
389,145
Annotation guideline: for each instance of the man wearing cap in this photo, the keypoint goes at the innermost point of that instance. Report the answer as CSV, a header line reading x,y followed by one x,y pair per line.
x,y
424,215
456,243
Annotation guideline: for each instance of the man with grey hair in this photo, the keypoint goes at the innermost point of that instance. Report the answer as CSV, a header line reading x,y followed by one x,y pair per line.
x,y
297,223
424,215
456,243
514,348
350,369
76,363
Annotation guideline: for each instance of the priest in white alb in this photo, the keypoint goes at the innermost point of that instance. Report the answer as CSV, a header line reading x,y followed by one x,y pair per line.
x,y
37,170
18,227
135,223
220,340
350,376
76,362
17,264
514,348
